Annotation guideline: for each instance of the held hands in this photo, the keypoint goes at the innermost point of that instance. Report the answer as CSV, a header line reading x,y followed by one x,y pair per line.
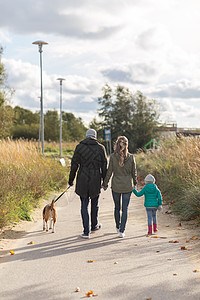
x,y
160,208
104,187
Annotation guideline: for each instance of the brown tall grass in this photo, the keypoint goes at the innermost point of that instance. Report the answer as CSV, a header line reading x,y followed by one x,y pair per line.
x,y
25,176
176,166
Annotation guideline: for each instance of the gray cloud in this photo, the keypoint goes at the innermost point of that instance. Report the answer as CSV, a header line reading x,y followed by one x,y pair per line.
x,y
50,17
119,76
140,73
180,89
75,104
149,39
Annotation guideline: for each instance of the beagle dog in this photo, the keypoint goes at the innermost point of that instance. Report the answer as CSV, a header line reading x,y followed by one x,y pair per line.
x,y
49,216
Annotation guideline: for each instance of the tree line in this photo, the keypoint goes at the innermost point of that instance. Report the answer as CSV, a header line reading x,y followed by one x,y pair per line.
x,y
23,123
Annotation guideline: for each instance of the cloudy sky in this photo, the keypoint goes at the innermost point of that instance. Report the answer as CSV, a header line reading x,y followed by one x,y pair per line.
x,y
147,45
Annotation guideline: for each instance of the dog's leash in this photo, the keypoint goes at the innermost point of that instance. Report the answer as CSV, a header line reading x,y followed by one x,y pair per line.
x,y
62,193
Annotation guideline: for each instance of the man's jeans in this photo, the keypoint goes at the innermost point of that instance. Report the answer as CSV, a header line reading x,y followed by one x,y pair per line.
x,y
121,224
151,214
85,214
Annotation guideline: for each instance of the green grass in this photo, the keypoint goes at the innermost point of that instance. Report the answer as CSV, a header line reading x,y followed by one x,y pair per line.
x,y
51,149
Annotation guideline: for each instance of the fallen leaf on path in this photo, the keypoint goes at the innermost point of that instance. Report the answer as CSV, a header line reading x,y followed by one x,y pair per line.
x,y
148,298
179,224
89,293
187,241
30,243
195,271
91,261
183,248
154,236
175,274
77,289
196,237
12,252
116,262
173,241
169,259
167,225
157,251
163,237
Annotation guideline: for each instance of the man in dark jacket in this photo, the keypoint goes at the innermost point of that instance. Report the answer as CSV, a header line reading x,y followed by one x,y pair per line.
x,y
90,160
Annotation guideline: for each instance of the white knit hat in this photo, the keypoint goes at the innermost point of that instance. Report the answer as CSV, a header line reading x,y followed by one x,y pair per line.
x,y
91,133
149,179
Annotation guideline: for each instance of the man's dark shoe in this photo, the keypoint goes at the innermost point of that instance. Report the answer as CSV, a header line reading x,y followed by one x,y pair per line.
x,y
85,236
99,226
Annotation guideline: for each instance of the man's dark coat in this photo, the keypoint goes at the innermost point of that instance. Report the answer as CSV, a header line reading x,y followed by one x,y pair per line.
x,y
90,160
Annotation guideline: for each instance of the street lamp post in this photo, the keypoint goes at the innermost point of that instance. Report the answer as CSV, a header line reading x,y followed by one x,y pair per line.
x,y
40,44
39,137
60,149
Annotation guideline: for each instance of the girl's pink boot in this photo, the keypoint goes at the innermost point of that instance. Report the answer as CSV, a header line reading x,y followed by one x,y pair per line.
x,y
155,229
149,229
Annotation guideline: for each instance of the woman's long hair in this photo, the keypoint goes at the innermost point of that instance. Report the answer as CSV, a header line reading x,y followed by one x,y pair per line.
x,y
121,148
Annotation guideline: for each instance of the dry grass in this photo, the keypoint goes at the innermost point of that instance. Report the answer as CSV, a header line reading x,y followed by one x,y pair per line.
x,y
25,177
176,166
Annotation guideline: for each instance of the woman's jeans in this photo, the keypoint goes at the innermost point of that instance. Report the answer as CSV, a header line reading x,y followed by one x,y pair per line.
x,y
85,214
151,214
121,222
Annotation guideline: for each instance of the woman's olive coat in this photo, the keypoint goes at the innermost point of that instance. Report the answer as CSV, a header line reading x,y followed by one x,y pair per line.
x,y
90,160
125,177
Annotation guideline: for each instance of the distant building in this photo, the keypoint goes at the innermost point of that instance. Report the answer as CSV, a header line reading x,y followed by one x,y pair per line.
x,y
171,129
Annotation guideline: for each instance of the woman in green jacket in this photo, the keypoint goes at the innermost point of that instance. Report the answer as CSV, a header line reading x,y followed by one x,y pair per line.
x,y
123,168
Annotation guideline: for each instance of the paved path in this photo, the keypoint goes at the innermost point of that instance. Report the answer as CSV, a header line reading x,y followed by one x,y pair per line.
x,y
56,264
